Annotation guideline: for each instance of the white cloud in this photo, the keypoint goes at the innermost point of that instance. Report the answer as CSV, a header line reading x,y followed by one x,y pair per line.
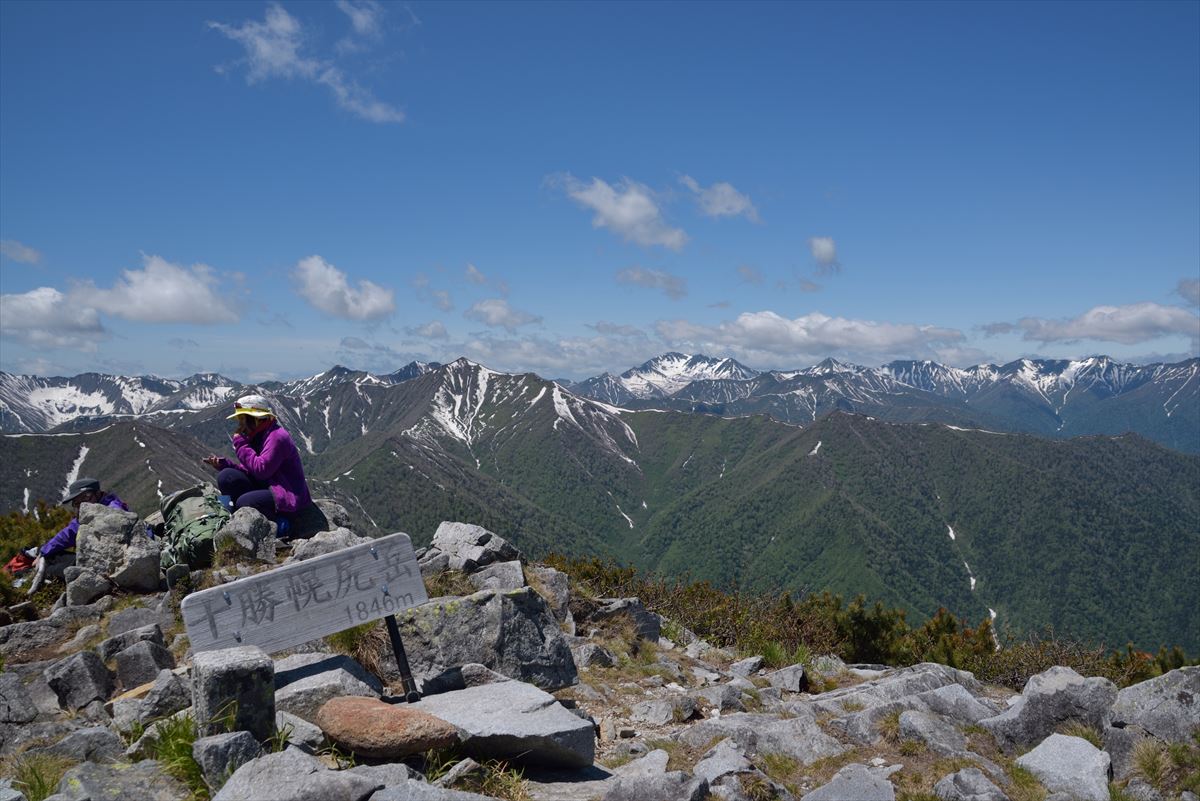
x,y
628,210
721,200
161,292
46,318
273,50
766,332
431,330
357,100
475,276
1128,325
497,313
578,357
824,253
613,329
672,286
1189,290
366,17
327,289
442,299
750,275
12,249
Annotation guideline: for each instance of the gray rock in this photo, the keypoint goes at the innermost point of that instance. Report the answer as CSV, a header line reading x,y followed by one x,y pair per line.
x,y
725,697
940,736
722,759
419,791
1119,744
554,586
304,682
134,617
652,763
1167,707
799,737
79,679
250,533
300,733
293,775
789,679
470,547
168,695
82,637
954,702
514,720
512,633
16,705
1069,765
10,793
499,576
854,783
388,774
892,685
589,654
113,543
87,587
141,662
460,678
1050,699
828,665
114,645
648,624
746,667
145,781
1141,790
325,542
968,784
663,711
241,680
432,563
221,754
673,786
93,744
325,514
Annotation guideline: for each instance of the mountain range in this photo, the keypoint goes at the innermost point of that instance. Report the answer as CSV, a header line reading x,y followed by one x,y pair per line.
x,y
1098,536
1051,398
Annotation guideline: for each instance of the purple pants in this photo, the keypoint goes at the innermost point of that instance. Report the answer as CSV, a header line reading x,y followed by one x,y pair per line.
x,y
245,491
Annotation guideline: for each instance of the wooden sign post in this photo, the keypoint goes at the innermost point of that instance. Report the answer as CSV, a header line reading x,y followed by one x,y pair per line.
x,y
300,602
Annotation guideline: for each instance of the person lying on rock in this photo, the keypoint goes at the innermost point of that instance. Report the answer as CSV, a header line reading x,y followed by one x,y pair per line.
x,y
268,475
59,552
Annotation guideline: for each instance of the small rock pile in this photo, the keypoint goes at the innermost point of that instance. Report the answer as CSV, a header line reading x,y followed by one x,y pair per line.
x,y
589,700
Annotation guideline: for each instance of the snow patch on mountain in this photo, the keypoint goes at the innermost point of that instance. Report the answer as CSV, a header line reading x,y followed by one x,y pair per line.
x,y
815,449
73,473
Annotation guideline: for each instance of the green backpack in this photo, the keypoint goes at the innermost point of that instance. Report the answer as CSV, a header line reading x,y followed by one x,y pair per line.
x,y
191,519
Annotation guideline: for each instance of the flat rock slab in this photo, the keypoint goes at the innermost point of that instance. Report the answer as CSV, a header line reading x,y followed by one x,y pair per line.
x,y
968,784
16,705
893,685
292,775
799,738
721,760
854,783
144,781
1069,765
1051,698
372,728
514,720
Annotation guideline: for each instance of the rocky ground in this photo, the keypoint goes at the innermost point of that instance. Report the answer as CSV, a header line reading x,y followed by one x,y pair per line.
x,y
531,690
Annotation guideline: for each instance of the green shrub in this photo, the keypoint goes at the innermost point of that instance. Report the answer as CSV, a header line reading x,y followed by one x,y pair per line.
x,y
37,775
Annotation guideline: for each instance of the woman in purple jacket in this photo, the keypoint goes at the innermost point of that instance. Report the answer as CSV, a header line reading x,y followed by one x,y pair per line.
x,y
268,475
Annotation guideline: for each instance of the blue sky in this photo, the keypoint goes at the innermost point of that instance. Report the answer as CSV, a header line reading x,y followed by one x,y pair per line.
x,y
266,189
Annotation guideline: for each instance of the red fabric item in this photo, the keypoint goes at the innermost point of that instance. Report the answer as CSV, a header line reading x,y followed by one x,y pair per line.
x,y
18,564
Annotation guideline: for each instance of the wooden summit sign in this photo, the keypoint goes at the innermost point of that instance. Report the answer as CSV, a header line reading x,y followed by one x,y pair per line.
x,y
300,602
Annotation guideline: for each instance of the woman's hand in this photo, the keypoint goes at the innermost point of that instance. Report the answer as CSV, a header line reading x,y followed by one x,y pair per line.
x,y
212,461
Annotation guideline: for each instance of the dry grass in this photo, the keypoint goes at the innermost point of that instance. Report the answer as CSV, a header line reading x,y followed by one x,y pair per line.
x,y
1083,732
681,756
449,583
